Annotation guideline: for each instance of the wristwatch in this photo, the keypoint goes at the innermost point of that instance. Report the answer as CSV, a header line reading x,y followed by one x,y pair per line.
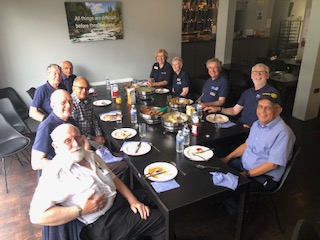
x,y
220,110
247,173
79,211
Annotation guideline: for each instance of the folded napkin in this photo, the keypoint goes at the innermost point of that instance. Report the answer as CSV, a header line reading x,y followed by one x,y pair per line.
x,y
227,124
228,180
165,186
106,155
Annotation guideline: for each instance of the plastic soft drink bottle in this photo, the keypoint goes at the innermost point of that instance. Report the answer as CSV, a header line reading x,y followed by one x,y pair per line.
x,y
133,113
179,142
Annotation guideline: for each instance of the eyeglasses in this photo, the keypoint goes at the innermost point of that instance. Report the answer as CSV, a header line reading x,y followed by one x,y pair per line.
x,y
259,72
82,88
267,108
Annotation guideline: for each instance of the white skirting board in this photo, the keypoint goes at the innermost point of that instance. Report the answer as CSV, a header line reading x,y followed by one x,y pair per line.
x,y
121,80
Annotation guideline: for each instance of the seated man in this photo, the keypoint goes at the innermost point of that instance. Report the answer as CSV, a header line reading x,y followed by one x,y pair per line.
x,y
264,155
83,111
67,75
85,189
248,101
40,106
215,89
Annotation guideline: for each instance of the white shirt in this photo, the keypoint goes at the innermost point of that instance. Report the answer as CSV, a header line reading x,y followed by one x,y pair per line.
x,y
70,184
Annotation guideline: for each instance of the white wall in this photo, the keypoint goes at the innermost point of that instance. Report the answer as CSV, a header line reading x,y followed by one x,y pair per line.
x,y
34,34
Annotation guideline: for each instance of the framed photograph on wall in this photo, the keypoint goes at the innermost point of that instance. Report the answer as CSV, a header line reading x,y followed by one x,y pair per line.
x,y
94,21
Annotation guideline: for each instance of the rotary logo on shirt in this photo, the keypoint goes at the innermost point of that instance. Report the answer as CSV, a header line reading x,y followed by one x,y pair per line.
x,y
258,95
214,88
155,67
178,81
213,94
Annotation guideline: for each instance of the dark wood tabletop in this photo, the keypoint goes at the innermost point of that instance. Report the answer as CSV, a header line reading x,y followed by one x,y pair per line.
x,y
196,185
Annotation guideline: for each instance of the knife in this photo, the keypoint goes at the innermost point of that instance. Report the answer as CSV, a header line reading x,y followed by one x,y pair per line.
x,y
138,147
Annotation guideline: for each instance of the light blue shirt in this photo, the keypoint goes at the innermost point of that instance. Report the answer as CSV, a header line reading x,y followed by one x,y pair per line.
x,y
270,143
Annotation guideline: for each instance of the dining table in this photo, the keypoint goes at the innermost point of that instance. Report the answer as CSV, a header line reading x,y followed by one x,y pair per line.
x,y
193,186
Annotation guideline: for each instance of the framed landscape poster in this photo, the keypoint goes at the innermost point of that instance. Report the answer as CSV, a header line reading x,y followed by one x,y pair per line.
x,y
94,21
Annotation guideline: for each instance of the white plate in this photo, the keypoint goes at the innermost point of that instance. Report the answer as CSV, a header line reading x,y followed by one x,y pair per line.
x,y
110,116
124,133
162,90
101,103
170,171
217,118
131,147
199,154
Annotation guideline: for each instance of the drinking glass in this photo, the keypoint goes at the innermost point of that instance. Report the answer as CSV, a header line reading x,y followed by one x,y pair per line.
x,y
142,129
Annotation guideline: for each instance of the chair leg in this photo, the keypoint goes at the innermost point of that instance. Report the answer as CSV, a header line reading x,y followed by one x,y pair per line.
x,y
274,210
5,173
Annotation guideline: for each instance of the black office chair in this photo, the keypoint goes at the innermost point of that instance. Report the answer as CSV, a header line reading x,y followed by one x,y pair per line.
x,y
11,143
31,92
268,195
304,231
19,105
238,83
10,114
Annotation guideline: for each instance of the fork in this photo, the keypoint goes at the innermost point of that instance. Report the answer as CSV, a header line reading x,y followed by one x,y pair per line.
x,y
204,167
197,155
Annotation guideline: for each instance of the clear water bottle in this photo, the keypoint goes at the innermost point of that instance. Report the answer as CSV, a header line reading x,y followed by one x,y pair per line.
x,y
186,135
133,113
179,142
199,110
108,85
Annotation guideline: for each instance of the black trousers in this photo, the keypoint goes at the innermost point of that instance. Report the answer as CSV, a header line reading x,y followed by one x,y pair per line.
x,y
120,223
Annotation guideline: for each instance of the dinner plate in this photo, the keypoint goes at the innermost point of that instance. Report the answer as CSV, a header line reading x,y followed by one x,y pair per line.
x,y
124,133
110,116
198,153
101,103
217,118
131,147
170,171
162,90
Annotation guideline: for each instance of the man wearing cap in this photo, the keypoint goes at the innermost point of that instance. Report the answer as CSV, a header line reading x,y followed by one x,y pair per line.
x,y
264,155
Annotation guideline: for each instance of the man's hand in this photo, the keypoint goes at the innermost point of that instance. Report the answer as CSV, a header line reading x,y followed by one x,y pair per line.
x,y
100,139
211,109
141,208
94,203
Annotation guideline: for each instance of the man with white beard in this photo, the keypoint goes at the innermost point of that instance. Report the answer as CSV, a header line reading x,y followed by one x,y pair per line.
x,y
85,189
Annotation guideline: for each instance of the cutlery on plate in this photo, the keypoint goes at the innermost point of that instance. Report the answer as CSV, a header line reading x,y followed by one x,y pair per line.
x,y
138,147
207,150
197,155
180,170
157,172
204,167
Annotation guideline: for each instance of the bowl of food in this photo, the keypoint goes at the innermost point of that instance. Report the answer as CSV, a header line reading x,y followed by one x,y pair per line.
x,y
179,104
174,121
145,93
152,115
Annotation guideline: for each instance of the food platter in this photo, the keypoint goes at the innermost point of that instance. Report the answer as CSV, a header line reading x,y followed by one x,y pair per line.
x,y
167,171
161,90
217,118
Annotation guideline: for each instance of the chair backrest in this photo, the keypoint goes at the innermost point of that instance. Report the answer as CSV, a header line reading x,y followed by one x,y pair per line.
x,y
19,105
295,153
304,231
7,131
31,92
10,114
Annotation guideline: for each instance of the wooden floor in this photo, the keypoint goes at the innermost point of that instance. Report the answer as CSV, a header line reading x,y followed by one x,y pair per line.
x,y
299,198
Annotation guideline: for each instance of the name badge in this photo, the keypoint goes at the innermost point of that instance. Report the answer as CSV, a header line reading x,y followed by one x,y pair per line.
x,y
155,67
213,94
163,73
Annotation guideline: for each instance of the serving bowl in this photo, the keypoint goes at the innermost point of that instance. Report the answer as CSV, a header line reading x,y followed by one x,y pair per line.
x,y
145,93
174,121
179,104
152,115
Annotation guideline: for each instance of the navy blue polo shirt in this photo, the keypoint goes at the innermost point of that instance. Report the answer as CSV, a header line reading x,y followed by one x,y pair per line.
x,y
68,82
180,81
249,102
43,140
165,73
213,89
42,97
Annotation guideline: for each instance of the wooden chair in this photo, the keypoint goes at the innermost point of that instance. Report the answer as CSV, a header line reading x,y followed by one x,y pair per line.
x,y
304,231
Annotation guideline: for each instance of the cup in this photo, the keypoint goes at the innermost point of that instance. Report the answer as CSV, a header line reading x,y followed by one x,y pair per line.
x,y
119,117
142,129
118,100
217,125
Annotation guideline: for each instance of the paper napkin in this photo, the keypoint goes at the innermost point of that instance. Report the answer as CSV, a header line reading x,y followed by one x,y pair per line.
x,y
165,186
106,155
228,180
